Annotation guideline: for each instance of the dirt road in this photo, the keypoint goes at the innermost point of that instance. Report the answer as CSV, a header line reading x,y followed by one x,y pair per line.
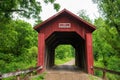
x,y
68,71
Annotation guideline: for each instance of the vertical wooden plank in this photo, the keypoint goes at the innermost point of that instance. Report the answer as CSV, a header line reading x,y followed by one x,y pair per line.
x,y
41,49
89,53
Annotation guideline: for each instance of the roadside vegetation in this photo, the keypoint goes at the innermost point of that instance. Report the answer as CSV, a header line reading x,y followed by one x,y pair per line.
x,y
64,53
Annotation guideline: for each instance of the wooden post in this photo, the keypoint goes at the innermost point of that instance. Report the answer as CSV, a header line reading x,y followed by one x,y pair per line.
x,y
89,53
0,76
18,77
31,73
41,50
104,75
30,76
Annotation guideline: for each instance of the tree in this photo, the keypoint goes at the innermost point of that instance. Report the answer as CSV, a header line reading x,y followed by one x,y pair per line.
x,y
105,53
110,9
106,46
102,49
83,15
18,40
18,45
16,37
64,51
23,8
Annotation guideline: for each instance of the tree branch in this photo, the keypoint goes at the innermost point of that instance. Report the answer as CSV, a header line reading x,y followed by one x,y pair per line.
x,y
17,10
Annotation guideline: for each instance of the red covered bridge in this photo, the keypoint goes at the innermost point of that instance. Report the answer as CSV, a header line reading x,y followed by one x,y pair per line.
x,y
65,28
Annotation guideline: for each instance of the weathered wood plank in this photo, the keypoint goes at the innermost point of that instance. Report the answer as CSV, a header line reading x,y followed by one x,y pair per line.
x,y
19,72
107,70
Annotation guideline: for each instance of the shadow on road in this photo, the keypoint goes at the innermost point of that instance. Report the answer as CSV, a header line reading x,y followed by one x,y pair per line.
x,y
65,68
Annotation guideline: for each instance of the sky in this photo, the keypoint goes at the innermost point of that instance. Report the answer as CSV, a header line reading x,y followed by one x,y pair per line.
x,y
72,5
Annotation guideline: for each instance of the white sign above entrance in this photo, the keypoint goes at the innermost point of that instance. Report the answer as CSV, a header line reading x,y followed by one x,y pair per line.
x,y
64,25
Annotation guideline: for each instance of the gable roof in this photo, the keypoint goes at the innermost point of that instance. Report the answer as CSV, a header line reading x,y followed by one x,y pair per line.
x,y
65,11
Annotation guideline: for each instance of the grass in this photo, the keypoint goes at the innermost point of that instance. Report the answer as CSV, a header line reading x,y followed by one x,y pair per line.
x,y
59,61
39,77
91,77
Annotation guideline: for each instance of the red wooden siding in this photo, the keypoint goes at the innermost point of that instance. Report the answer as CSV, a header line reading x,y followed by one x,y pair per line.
x,y
89,53
54,26
41,49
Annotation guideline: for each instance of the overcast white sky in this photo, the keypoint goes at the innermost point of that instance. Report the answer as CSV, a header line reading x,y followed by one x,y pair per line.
x,y
72,5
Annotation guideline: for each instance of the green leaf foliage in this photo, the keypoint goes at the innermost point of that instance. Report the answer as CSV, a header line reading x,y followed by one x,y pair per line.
x,y
23,8
26,8
18,43
106,48
56,6
16,37
110,9
106,45
64,53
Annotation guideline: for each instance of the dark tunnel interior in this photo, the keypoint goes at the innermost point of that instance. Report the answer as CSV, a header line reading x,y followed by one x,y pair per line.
x,y
71,38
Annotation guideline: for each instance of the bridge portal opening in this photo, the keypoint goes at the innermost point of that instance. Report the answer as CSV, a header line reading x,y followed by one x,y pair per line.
x,y
68,38
64,53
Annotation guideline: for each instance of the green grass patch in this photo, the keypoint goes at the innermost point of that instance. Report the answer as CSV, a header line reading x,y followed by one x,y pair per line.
x,y
62,61
91,77
39,77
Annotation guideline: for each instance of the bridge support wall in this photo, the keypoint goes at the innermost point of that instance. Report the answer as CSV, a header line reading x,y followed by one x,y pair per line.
x,y
89,54
41,50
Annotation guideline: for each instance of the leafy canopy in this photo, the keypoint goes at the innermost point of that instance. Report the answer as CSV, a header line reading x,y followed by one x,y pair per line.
x,y
23,8
110,9
16,36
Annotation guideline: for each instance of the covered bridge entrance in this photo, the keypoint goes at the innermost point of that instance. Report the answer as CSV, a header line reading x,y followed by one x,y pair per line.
x,y
65,28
